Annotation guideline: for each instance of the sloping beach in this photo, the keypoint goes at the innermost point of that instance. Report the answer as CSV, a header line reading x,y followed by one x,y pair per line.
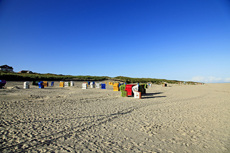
x,y
177,118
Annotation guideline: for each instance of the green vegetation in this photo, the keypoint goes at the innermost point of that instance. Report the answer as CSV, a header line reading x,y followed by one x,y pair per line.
x,y
10,76
144,80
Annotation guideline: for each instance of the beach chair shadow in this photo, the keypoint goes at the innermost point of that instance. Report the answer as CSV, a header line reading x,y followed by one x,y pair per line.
x,y
152,95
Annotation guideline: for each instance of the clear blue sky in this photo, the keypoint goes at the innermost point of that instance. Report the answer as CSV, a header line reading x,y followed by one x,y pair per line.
x,y
166,39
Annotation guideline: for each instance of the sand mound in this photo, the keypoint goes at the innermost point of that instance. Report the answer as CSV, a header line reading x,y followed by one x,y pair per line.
x,y
14,87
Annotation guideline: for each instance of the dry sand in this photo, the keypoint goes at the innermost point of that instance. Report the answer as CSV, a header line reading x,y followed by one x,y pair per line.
x,y
179,118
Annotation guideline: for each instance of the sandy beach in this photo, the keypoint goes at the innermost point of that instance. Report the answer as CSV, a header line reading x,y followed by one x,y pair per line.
x,y
177,118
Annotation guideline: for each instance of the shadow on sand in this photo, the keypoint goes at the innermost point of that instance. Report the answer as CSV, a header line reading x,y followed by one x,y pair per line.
x,y
152,95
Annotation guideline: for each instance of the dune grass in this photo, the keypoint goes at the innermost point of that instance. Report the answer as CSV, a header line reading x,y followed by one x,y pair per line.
x,y
144,80
11,76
